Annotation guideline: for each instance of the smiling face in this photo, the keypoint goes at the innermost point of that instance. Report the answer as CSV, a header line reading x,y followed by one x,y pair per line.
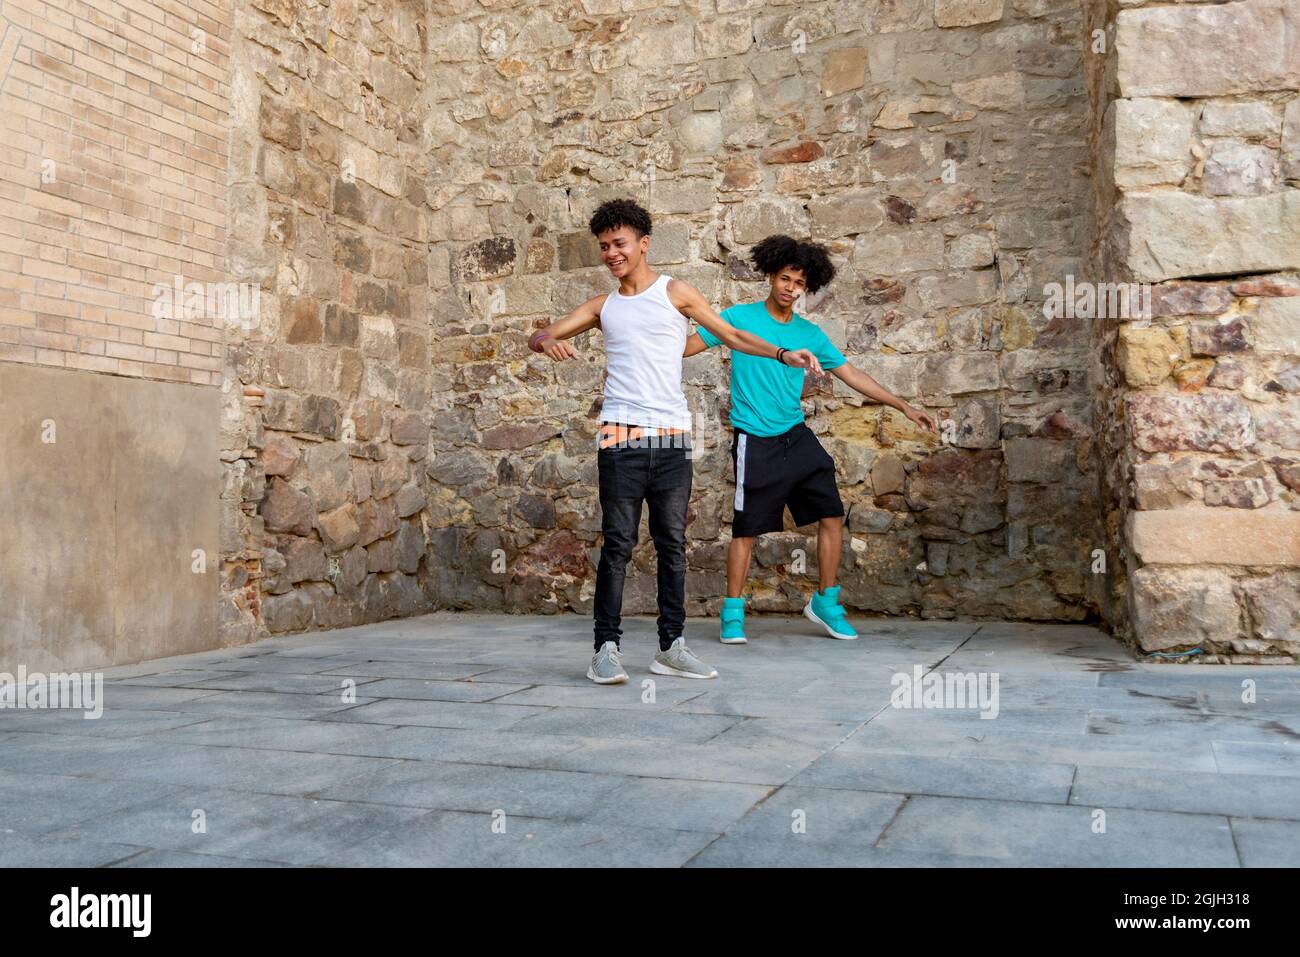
x,y
788,284
622,250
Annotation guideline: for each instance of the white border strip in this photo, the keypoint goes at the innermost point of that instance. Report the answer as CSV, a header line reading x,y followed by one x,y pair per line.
x,y
740,471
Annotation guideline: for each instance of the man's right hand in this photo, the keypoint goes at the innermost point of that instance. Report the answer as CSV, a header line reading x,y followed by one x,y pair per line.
x,y
551,339
801,359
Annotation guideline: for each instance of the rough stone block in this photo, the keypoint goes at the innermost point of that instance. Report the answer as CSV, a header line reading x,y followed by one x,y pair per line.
x,y
1208,49
1179,607
966,13
1152,142
1209,423
1171,234
767,215
286,509
844,70
1146,355
1216,536
1273,602
1276,326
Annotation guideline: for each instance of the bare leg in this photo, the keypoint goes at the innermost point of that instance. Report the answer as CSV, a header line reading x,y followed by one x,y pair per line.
x,y
830,543
738,556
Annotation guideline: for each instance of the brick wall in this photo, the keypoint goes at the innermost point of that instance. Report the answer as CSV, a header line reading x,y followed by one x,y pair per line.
x,y
113,142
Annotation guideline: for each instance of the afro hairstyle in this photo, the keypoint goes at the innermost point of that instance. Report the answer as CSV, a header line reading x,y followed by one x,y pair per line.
x,y
775,253
620,212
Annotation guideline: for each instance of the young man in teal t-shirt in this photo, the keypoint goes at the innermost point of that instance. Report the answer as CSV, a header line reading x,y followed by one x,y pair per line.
x,y
778,461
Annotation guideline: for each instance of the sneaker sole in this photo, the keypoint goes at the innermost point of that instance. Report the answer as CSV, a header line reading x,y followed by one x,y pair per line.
x,y
616,680
661,669
734,641
812,616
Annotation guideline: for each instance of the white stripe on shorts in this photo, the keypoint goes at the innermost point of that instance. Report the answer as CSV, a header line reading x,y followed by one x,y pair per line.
x,y
740,471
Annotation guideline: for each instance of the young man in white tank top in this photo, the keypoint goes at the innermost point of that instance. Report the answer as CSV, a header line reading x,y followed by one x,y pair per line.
x,y
645,428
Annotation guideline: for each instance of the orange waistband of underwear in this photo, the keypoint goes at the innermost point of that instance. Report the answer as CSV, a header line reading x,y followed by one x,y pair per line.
x,y
612,433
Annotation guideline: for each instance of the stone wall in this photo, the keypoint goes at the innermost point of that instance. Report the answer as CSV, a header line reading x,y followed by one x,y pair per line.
x,y
938,146
325,428
1200,159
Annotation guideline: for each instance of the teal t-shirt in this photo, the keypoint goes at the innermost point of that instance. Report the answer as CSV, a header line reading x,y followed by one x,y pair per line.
x,y
765,393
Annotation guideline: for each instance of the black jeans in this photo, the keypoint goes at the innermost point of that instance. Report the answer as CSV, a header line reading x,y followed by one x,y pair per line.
x,y
659,474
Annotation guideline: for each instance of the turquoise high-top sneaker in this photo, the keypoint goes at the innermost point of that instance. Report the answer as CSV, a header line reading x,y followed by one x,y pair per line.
x,y
733,621
824,608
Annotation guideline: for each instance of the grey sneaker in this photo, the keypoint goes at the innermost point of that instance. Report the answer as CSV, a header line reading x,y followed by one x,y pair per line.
x,y
606,666
680,661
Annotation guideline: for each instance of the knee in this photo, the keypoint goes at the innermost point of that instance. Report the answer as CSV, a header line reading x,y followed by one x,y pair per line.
x,y
617,548
670,546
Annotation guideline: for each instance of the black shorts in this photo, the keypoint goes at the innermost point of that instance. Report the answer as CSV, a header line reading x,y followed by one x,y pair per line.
x,y
784,470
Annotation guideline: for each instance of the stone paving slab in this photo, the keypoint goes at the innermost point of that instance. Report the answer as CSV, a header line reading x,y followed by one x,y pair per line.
x,y
267,663
276,682
272,704
19,850
1055,835
415,743
282,734
175,679
438,714
476,739
243,769
526,792
1267,843
779,733
115,722
1253,757
944,776
690,762
765,852
1254,795
468,689
40,803
453,839
419,670
643,725
1265,728
254,827
173,859
1082,750
629,695
706,806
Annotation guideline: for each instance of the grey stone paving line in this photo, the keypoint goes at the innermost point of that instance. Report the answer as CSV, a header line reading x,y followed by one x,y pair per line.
x,y
717,847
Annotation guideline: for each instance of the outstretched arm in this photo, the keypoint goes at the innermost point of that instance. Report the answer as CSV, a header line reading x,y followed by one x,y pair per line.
x,y
551,339
690,302
855,378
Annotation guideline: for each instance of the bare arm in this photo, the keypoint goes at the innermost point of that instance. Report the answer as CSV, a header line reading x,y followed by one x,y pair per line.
x,y
855,378
689,301
694,345
551,339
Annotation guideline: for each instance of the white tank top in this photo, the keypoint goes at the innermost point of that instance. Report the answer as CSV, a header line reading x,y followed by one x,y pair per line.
x,y
644,339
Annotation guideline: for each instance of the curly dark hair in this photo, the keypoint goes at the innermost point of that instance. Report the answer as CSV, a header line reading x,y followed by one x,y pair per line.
x,y
620,212
775,253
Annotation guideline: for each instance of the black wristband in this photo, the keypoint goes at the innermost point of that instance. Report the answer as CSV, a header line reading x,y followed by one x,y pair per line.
x,y
780,355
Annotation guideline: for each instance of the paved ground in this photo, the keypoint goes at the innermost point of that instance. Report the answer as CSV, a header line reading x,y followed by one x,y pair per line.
x,y
464,726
